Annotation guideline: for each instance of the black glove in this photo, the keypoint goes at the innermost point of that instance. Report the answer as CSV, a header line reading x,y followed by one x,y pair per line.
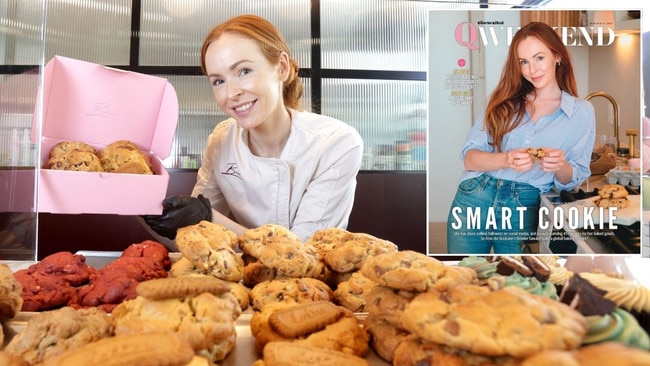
x,y
179,211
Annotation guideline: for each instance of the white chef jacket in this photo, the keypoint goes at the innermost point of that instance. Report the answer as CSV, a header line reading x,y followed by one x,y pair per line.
x,y
310,187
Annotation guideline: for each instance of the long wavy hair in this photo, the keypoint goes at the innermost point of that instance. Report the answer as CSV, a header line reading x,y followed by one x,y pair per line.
x,y
507,104
271,43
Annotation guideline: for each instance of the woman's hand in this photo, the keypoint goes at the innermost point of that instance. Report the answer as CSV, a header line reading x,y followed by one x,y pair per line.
x,y
553,161
519,160
179,211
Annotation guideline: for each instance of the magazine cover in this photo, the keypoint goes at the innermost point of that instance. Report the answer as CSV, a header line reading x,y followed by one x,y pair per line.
x,y
534,131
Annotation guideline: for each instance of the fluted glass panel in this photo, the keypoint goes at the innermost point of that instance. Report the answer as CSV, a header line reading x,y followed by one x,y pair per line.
x,y
21,43
21,24
97,31
198,115
18,95
390,115
377,34
172,31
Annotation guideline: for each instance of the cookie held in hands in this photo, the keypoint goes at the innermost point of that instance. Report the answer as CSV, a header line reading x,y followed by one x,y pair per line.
x,y
537,153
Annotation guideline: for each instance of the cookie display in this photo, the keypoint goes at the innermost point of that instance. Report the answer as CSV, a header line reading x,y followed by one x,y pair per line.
x,y
319,324
291,354
205,320
540,269
612,191
606,353
210,249
325,240
165,288
53,282
352,251
122,160
613,195
290,258
302,319
53,332
619,203
505,322
616,326
241,292
120,144
415,351
351,294
289,291
67,146
273,252
253,240
407,307
414,271
150,249
183,267
256,272
130,349
509,265
75,160
345,335
121,156
117,282
629,295
10,289
584,297
529,284
8,359
559,273
384,336
388,303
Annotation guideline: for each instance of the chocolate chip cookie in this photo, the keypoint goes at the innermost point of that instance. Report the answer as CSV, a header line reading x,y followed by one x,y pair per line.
x,y
414,271
505,322
289,291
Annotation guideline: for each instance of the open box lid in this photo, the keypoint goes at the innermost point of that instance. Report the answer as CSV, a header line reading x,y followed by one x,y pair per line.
x,y
98,105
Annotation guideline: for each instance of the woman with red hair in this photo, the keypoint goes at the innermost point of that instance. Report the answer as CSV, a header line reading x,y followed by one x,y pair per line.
x,y
534,135
271,161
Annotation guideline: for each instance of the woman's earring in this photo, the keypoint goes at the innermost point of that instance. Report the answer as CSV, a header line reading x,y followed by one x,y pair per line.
x,y
558,63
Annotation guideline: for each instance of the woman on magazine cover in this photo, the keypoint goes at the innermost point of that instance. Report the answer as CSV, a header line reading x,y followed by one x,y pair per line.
x,y
535,134
271,161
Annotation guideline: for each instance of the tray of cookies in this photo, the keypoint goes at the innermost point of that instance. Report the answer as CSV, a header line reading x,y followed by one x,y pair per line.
x,y
234,302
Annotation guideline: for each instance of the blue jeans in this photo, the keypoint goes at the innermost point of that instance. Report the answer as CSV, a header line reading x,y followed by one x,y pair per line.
x,y
489,213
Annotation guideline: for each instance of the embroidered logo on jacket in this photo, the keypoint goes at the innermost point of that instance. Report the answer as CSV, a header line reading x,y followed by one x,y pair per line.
x,y
232,170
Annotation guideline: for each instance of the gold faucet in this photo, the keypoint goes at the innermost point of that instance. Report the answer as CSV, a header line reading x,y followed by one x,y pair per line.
x,y
615,106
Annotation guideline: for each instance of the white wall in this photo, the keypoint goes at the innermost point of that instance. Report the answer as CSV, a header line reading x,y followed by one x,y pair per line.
x,y
616,70
448,125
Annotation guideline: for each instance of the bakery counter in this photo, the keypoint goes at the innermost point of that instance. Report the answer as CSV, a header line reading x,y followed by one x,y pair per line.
x,y
631,269
243,353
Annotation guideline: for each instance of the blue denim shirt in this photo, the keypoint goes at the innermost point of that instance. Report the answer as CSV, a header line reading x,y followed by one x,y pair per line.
x,y
572,128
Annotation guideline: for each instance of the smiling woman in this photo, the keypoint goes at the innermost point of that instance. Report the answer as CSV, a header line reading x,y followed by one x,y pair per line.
x,y
271,161
534,135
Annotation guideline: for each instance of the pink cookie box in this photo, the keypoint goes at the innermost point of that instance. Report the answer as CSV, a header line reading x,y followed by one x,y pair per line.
x,y
98,105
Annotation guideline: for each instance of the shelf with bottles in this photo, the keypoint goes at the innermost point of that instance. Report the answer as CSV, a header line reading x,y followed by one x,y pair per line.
x,y
402,155
16,147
